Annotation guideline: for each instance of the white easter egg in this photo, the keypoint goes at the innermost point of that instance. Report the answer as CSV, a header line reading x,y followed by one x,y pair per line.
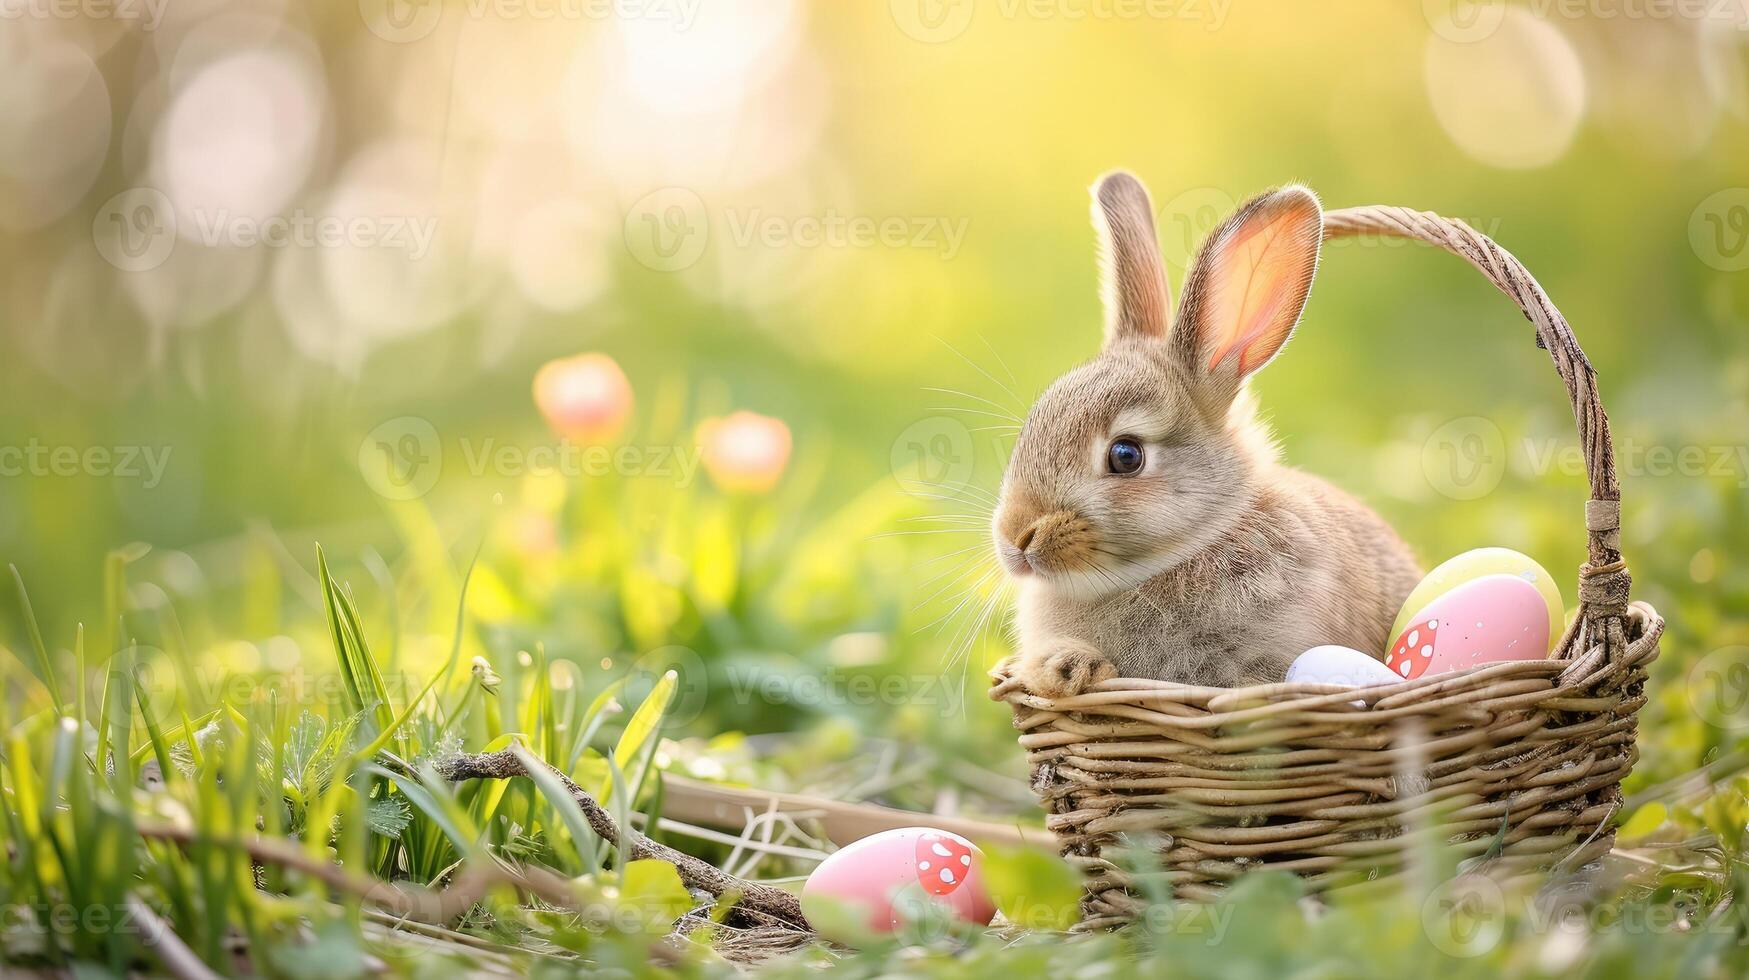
x,y
1339,665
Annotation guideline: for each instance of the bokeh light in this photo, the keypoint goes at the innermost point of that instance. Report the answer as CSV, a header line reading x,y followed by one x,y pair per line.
x,y
400,248
54,126
745,452
1512,99
585,397
238,140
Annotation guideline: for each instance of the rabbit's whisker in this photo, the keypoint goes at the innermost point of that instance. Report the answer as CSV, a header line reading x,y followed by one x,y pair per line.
x,y
998,356
976,367
954,494
960,652
971,411
960,648
966,596
956,575
925,563
977,398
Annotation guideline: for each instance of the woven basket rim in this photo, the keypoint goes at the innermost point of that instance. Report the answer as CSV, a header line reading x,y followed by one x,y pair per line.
x,y
1377,702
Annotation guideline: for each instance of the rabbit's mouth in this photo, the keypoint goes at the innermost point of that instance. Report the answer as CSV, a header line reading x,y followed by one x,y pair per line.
x,y
1051,546
1064,553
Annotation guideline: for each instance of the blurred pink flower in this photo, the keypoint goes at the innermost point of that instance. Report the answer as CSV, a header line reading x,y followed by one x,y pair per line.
x,y
534,533
746,452
586,397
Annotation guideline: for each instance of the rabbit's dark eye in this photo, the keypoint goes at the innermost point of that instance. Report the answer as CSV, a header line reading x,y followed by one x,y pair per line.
x,y
1124,457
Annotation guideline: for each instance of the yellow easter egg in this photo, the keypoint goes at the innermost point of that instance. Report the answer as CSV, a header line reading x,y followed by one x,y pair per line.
x,y
1472,565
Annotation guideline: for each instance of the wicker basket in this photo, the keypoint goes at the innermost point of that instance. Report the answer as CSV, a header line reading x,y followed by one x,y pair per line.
x,y
1521,762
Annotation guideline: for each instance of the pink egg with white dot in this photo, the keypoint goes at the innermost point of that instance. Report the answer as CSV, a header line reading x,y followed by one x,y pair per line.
x,y
1488,620
871,874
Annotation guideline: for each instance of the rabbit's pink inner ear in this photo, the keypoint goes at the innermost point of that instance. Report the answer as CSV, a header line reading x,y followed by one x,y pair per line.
x,y
1260,273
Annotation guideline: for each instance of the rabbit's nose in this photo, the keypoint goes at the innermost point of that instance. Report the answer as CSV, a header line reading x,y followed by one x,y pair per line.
x,y
1024,538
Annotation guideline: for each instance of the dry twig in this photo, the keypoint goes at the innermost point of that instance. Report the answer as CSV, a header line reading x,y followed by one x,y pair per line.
x,y
756,903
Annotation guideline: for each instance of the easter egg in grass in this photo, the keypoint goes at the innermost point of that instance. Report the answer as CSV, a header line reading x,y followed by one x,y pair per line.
x,y
1492,619
1475,564
877,874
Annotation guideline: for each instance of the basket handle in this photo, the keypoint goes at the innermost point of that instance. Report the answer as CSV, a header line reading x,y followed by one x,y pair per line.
x,y
1603,579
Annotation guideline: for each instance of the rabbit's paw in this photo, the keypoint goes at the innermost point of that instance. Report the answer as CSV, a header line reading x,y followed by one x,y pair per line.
x,y
1063,669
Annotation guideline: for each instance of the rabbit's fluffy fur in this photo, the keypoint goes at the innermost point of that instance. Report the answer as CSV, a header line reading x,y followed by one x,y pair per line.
x,y
1212,563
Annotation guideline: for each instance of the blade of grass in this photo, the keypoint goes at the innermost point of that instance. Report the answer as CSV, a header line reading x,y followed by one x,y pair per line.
x,y
183,732
19,824
27,799
155,739
381,742
653,812
61,755
583,838
545,722
79,673
40,665
364,685
599,710
120,764
646,763
643,725
115,594
385,580
622,814
431,796
319,818
103,752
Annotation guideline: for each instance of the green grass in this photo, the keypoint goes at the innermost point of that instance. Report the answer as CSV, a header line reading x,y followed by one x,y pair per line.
x,y
290,834
87,834
241,778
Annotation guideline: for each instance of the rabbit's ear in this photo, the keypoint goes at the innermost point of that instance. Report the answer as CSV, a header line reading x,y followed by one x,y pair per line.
x,y
1133,282
1246,290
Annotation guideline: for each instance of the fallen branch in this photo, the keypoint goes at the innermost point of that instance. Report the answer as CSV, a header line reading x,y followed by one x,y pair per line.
x,y
404,900
156,934
699,802
757,902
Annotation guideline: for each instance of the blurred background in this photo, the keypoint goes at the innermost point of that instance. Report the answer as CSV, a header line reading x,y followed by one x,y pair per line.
x,y
705,323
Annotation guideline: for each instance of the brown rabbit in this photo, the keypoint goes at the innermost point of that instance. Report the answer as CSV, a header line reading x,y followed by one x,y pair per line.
x,y
1144,512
